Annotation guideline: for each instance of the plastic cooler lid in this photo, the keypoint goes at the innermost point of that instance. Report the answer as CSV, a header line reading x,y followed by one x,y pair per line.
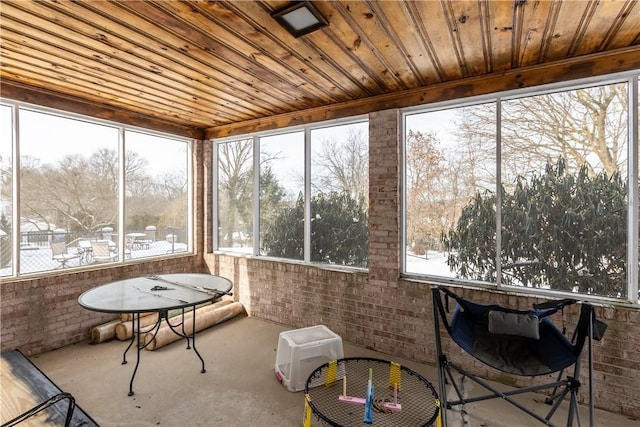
x,y
310,334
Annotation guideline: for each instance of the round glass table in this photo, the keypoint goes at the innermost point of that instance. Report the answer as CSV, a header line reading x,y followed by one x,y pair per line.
x,y
338,394
159,294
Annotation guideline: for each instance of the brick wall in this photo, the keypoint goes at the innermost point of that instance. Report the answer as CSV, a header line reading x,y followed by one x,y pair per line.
x,y
42,313
379,310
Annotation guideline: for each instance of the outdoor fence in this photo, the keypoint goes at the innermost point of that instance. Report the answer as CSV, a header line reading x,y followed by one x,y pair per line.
x,y
36,252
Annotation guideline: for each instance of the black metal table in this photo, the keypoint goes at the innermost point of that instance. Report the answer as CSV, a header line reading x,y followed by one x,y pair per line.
x,y
401,396
157,294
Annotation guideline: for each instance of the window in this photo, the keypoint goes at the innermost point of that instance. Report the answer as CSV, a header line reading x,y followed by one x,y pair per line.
x,y
526,191
282,200
156,195
339,194
6,191
235,195
68,187
71,192
445,168
315,213
564,204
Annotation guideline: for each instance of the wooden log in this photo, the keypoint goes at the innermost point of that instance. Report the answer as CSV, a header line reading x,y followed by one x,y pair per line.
x,y
205,317
126,317
124,331
104,332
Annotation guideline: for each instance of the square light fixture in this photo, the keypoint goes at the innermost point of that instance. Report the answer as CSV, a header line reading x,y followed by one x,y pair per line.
x,y
300,18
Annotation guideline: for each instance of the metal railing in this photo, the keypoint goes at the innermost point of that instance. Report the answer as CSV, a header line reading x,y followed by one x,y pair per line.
x,y
36,254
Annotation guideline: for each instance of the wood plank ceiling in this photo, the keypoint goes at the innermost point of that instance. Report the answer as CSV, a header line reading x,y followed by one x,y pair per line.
x,y
207,64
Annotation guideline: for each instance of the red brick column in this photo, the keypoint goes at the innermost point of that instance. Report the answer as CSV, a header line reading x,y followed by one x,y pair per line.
x,y
384,200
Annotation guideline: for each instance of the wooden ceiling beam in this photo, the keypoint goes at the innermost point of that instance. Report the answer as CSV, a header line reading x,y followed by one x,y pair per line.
x,y
32,95
620,60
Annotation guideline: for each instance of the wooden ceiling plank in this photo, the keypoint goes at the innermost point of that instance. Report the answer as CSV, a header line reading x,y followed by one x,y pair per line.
x,y
15,71
564,31
577,42
51,58
110,49
195,43
405,34
466,22
625,27
550,31
449,57
375,34
166,53
534,28
484,23
287,49
42,97
424,48
598,27
335,45
234,30
500,29
571,69
346,38
72,76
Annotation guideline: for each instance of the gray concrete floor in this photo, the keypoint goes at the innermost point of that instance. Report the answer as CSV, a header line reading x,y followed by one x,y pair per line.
x,y
238,389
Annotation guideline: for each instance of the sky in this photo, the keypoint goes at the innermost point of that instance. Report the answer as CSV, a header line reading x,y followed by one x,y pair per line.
x,y
50,138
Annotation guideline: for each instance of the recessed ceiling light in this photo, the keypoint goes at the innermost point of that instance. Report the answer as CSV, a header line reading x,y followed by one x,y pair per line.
x,y
300,18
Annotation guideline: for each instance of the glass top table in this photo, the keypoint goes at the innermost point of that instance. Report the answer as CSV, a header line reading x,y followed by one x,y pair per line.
x,y
157,294
401,396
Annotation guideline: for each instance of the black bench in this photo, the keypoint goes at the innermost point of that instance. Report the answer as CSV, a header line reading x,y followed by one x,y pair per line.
x,y
28,392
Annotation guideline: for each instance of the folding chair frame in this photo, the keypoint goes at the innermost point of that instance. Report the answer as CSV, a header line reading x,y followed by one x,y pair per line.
x,y
561,387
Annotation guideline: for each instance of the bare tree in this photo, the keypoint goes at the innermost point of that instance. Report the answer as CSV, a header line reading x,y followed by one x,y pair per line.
x,y
235,184
342,166
584,127
79,193
428,198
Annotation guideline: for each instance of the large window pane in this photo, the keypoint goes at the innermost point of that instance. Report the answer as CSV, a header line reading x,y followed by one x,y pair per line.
x,y
68,191
450,190
282,195
564,207
6,191
638,189
235,195
339,195
156,195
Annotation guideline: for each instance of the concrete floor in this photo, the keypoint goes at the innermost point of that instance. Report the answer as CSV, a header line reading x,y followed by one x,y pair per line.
x,y
238,389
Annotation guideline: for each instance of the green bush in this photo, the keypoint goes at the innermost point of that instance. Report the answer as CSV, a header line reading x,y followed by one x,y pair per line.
x,y
559,230
339,231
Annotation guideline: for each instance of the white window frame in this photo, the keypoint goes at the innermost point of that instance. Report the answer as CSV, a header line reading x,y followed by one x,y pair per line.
x,y
307,129
632,79
16,106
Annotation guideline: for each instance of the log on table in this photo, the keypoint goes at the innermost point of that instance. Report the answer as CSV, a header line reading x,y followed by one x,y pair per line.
x,y
104,332
205,317
124,331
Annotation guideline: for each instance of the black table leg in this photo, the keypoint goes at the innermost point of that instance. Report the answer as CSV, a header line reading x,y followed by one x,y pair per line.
x,y
193,339
188,337
135,323
137,334
133,328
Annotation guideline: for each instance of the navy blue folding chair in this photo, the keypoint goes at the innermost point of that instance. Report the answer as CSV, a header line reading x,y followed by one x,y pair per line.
x,y
516,342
